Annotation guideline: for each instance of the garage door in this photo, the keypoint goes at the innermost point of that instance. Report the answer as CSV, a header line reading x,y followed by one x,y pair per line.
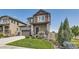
x,y
26,32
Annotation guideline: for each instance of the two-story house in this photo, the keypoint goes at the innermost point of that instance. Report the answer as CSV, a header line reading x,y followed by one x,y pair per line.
x,y
9,26
40,22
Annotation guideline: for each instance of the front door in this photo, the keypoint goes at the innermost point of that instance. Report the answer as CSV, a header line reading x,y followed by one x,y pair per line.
x,y
18,33
37,30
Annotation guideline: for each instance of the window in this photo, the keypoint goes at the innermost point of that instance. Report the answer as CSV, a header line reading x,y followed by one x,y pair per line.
x,y
4,20
11,21
14,22
31,20
17,29
17,23
1,21
41,18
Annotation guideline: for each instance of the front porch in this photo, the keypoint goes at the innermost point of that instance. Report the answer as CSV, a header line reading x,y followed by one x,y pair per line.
x,y
4,29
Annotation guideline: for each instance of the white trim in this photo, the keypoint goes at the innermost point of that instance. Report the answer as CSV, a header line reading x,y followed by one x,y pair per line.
x,y
38,20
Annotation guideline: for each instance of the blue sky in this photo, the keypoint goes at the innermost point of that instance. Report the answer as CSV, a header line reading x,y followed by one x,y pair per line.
x,y
57,15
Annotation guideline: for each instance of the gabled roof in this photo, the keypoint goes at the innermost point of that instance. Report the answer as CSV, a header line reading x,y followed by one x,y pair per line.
x,y
13,19
29,18
45,12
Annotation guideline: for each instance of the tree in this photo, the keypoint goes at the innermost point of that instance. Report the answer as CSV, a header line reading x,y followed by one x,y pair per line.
x,y
67,31
75,30
64,33
60,34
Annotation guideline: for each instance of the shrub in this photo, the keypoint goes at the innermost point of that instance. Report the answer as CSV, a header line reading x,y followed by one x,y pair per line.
x,y
26,36
33,37
1,35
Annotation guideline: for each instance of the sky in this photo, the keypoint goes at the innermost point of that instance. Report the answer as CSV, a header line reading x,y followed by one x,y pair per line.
x,y
57,15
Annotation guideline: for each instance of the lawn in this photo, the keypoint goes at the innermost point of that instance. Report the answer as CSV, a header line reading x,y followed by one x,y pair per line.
x,y
76,42
32,43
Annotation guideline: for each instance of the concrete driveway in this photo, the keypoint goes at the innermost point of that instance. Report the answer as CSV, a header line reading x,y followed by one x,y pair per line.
x,y
10,39
11,47
4,41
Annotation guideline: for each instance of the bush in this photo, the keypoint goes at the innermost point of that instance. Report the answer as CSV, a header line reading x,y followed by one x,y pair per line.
x,y
33,37
1,35
6,36
39,37
26,36
29,37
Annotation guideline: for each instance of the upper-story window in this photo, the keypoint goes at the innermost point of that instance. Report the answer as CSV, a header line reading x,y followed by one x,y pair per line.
x,y
3,20
11,21
14,22
17,29
17,23
41,18
31,20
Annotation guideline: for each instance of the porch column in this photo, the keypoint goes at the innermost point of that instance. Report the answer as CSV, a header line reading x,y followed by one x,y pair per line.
x,y
3,30
48,27
20,33
32,30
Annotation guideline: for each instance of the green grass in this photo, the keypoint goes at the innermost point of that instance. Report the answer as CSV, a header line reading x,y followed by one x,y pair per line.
x,y
32,43
76,42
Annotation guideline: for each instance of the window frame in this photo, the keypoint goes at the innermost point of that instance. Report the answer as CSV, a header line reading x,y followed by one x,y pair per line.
x,y
41,18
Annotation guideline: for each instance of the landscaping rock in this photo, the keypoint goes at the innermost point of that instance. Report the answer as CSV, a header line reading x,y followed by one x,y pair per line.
x,y
69,45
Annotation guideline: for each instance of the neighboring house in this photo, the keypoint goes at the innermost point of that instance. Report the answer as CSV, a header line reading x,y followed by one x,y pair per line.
x,y
40,22
9,26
